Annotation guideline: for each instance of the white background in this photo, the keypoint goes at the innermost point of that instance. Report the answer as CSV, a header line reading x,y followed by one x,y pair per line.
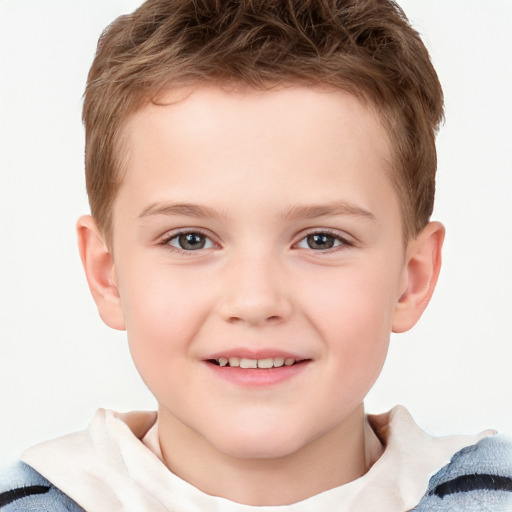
x,y
58,362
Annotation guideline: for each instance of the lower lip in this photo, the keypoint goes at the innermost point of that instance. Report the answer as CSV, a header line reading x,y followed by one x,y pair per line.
x,y
258,377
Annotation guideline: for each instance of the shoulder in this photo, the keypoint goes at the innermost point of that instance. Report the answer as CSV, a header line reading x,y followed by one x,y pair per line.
x,y
22,489
478,477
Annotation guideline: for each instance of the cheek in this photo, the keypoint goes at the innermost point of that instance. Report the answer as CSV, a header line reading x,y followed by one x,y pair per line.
x,y
163,312
353,315
352,300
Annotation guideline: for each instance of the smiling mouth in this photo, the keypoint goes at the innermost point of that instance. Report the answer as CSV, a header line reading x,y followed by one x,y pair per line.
x,y
242,362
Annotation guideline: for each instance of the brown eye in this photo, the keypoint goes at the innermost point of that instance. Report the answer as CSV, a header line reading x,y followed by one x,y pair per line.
x,y
321,241
190,241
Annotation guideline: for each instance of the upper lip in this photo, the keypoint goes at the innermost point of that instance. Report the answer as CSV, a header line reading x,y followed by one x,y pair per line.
x,y
255,354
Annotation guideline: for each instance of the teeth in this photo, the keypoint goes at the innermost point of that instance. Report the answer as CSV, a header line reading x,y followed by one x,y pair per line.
x,y
248,363
265,363
242,362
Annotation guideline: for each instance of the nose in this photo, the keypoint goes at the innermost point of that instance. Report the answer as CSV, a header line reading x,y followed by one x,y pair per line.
x,y
255,292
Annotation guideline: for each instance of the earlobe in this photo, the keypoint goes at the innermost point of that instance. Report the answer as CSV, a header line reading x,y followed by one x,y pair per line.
x,y
99,269
422,267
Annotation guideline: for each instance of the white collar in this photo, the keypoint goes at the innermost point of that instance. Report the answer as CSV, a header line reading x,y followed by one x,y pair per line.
x,y
107,467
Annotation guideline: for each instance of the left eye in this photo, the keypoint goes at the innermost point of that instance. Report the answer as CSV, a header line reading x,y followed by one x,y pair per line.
x,y
320,242
190,241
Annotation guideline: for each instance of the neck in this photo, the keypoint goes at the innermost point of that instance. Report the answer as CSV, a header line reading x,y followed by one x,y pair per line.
x,y
335,458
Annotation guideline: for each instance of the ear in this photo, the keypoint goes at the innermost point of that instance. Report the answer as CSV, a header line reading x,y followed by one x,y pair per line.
x,y
100,271
422,267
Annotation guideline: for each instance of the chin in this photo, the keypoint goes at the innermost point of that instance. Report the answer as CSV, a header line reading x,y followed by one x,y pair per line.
x,y
261,443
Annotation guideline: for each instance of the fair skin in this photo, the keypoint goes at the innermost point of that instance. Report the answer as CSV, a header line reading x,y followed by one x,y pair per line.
x,y
260,226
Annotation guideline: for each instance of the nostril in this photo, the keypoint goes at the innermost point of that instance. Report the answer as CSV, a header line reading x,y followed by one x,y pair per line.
x,y
269,319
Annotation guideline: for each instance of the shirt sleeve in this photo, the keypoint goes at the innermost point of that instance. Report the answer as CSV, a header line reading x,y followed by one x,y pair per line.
x,y
23,489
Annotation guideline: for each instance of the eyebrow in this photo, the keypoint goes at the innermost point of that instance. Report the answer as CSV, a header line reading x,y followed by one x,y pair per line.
x,y
186,209
336,208
296,212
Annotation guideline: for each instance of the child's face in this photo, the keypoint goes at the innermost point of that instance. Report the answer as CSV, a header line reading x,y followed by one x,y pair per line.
x,y
264,226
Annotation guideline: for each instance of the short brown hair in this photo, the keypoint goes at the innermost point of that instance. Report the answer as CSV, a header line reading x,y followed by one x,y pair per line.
x,y
364,47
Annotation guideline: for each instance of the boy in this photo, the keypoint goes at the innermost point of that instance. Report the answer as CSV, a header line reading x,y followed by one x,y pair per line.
x,y
261,179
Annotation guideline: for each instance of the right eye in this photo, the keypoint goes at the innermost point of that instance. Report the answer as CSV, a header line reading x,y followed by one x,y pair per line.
x,y
190,241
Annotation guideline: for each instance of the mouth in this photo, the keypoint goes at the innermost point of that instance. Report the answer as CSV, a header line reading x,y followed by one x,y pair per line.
x,y
250,371
263,364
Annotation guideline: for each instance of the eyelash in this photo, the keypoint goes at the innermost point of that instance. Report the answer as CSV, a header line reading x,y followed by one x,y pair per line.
x,y
171,236
344,242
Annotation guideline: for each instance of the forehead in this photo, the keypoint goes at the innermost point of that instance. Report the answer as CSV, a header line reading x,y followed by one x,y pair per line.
x,y
300,139
242,109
